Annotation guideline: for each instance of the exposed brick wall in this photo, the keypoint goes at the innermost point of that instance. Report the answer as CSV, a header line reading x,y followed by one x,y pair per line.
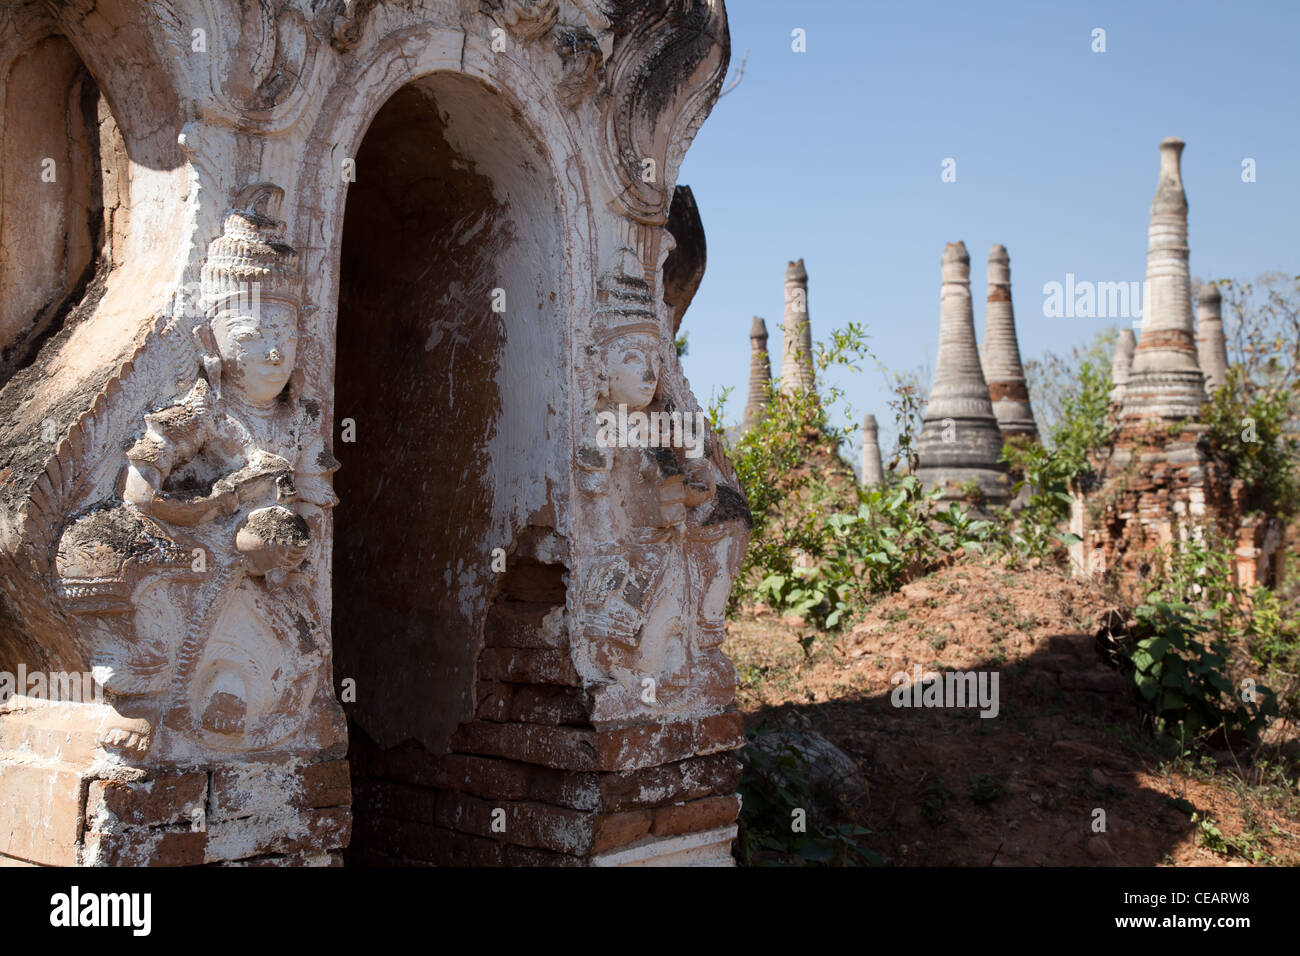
x,y
1154,486
272,813
529,781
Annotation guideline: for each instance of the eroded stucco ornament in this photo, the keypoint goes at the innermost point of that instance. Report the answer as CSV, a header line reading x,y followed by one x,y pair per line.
x,y
199,581
669,528
341,21
264,75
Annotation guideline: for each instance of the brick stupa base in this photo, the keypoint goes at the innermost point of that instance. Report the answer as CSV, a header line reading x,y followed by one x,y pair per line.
x,y
1154,486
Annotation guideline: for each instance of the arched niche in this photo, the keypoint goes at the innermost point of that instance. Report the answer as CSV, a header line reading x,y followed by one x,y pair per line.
x,y
449,404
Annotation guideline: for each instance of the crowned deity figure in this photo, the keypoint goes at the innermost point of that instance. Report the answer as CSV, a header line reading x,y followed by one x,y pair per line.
x,y
655,596
233,477
242,442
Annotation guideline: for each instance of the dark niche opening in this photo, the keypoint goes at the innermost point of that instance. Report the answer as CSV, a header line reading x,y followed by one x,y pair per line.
x,y
453,408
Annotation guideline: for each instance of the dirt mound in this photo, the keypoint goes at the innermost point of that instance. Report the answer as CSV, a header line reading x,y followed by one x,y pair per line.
x,y
1063,750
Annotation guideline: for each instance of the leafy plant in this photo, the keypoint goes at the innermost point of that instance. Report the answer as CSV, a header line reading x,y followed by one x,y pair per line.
x,y
1201,573
897,533
1052,378
1047,477
788,500
1085,424
807,592
907,407
1248,431
1181,672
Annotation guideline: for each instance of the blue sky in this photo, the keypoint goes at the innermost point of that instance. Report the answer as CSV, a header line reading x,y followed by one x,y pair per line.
x,y
834,155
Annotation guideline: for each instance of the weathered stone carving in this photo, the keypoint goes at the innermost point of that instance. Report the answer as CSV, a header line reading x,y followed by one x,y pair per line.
x,y
265,74
221,485
669,46
341,21
684,266
674,530
527,19
582,60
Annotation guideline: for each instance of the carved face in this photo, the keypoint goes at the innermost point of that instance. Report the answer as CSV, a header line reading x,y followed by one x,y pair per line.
x,y
633,372
258,351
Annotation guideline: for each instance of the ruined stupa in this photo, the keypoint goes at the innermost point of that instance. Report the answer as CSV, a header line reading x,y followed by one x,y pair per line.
x,y
1001,358
1166,382
873,471
1155,482
760,375
796,333
960,441
1211,345
1121,365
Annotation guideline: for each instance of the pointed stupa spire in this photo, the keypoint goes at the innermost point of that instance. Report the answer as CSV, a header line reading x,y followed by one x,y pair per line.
x,y
960,441
760,375
1211,345
873,470
1121,365
1166,381
796,333
1002,369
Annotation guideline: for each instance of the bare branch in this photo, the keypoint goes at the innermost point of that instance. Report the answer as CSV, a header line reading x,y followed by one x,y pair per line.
x,y
735,80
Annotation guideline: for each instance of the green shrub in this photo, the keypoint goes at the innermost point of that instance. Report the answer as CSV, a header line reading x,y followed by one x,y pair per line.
x,y
1085,422
1248,432
1193,614
789,503
1181,671
897,534
809,592
1037,532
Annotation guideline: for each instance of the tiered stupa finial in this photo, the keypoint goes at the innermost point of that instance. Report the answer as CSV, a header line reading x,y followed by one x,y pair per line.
x,y
1002,369
796,333
960,441
1166,381
873,471
760,375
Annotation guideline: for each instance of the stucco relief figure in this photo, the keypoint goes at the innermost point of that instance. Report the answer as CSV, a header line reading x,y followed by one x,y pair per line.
x,y
236,474
656,596
717,532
